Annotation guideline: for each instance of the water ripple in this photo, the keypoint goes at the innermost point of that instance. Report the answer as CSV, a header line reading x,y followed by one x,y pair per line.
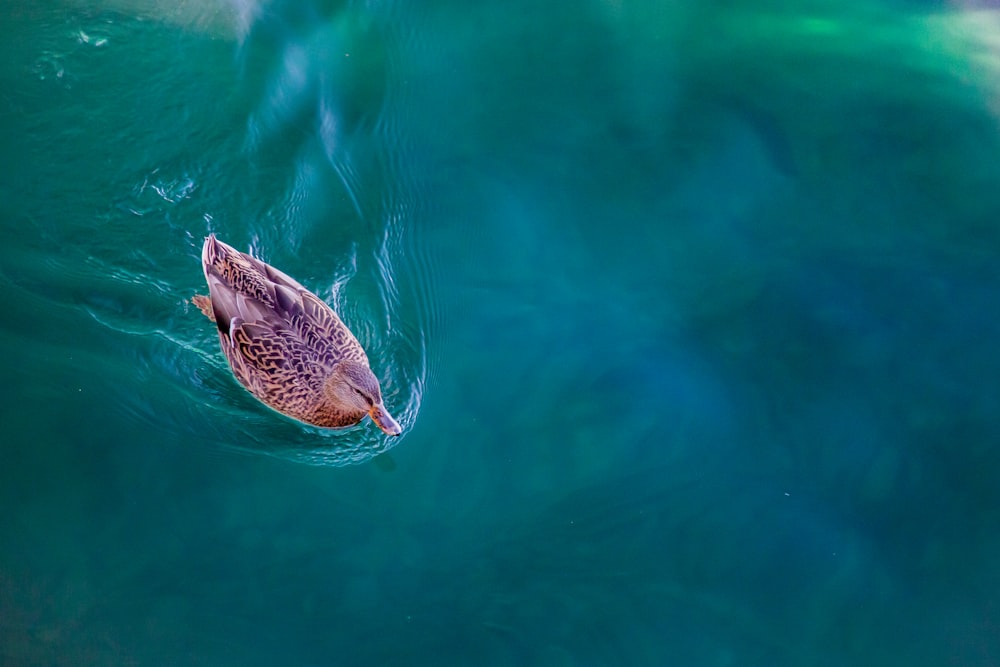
x,y
310,164
358,242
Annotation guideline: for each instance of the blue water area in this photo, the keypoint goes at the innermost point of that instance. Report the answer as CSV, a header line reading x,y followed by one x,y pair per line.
x,y
687,311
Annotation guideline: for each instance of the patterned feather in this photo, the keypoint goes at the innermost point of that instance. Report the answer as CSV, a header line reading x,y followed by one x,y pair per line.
x,y
285,345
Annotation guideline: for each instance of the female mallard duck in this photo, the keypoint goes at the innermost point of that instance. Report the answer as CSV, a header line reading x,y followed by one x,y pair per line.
x,y
285,345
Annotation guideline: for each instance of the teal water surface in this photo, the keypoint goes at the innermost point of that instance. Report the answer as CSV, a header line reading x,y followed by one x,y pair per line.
x,y
687,311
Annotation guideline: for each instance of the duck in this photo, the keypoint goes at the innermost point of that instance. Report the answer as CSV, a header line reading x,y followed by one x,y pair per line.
x,y
286,346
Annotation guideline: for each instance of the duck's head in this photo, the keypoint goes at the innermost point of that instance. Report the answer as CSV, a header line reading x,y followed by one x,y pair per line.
x,y
353,386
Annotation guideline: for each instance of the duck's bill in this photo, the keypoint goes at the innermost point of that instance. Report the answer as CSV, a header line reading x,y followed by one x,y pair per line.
x,y
384,420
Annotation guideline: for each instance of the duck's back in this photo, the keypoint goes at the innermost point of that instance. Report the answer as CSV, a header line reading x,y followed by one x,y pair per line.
x,y
238,273
281,340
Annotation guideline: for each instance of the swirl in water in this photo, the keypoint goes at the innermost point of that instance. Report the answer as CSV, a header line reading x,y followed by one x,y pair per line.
x,y
313,176
341,215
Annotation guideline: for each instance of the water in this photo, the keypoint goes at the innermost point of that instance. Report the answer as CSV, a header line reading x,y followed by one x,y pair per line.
x,y
687,310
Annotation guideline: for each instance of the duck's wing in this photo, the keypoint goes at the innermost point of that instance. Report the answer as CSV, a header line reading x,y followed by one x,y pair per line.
x,y
321,321
229,305
244,288
224,259
275,365
277,277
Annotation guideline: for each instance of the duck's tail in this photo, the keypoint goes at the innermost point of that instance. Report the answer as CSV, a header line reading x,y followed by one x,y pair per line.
x,y
213,254
228,268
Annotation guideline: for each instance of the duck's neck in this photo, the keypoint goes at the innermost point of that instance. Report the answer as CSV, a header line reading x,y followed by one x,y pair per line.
x,y
329,416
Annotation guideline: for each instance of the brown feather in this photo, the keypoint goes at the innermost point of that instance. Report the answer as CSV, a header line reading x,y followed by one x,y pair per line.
x,y
285,345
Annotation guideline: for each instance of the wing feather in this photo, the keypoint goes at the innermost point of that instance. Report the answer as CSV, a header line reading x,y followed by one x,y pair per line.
x,y
322,324
275,365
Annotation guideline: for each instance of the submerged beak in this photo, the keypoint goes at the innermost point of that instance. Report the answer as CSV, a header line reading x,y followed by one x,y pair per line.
x,y
384,420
